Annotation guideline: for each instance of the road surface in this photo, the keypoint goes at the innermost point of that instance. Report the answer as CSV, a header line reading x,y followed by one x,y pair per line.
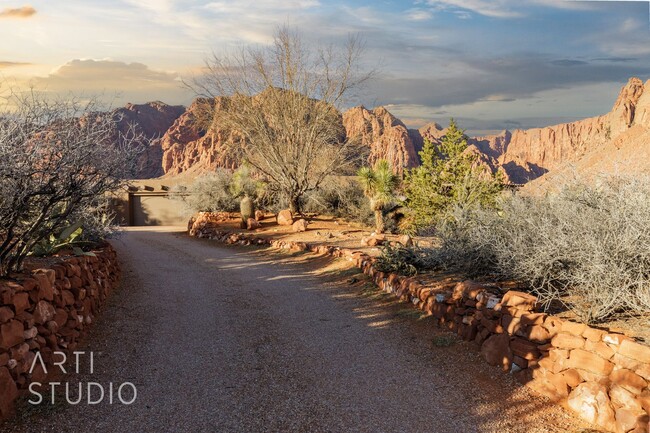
x,y
226,339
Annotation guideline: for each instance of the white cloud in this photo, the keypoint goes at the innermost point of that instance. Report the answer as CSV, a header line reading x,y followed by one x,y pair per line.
x,y
494,8
130,82
418,14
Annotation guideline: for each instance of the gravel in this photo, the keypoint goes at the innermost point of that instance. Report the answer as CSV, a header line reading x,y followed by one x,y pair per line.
x,y
226,339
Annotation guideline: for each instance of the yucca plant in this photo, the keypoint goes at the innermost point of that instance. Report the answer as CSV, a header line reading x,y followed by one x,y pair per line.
x,y
379,183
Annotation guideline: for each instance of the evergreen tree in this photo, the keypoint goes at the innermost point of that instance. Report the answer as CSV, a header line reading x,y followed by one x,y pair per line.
x,y
449,177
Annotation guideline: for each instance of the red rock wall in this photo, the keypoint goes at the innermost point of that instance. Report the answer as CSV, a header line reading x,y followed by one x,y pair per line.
x,y
47,311
602,376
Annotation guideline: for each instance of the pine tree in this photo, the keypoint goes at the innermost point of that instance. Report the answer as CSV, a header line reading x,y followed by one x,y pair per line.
x,y
449,177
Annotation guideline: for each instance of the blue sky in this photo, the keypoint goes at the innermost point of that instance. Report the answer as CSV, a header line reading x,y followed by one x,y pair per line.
x,y
491,64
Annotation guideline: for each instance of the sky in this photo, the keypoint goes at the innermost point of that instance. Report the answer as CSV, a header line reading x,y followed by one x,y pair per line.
x,y
491,64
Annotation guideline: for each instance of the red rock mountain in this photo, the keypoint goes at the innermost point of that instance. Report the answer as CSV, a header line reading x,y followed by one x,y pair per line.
x,y
615,138
609,142
151,120
386,136
187,148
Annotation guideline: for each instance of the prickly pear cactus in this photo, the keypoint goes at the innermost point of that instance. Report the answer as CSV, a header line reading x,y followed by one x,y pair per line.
x,y
247,209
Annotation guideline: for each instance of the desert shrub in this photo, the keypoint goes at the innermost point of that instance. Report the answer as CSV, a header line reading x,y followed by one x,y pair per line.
x,y
400,260
342,197
587,246
210,192
59,158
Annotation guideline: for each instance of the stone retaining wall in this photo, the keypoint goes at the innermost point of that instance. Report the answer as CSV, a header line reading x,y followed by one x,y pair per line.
x,y
47,311
602,376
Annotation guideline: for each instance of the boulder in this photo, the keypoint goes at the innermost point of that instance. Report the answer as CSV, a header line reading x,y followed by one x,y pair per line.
x,y
590,402
44,312
259,215
300,226
285,218
11,333
8,394
406,240
252,224
496,351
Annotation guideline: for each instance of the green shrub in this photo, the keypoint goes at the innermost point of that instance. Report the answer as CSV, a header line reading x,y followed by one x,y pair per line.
x,y
450,177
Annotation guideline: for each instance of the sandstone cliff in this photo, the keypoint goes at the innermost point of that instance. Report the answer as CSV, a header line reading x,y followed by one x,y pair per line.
x,y
187,148
151,120
522,155
384,134
528,154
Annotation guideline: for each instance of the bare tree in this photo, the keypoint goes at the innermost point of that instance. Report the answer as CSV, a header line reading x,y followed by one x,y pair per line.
x,y
282,103
58,160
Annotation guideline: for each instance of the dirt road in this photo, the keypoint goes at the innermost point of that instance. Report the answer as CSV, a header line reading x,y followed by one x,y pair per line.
x,y
226,339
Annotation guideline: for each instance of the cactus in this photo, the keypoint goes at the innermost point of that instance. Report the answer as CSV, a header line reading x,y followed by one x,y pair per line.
x,y
247,210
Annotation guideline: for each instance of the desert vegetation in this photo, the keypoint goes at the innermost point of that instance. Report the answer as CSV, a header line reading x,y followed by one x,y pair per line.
x,y
60,160
280,104
586,246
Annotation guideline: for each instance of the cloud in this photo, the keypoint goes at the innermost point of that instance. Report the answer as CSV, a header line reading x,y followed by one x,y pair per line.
x,y
23,12
569,62
418,14
516,76
130,82
6,64
492,8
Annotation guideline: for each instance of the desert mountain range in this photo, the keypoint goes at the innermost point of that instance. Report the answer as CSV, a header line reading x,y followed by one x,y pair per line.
x,y
616,141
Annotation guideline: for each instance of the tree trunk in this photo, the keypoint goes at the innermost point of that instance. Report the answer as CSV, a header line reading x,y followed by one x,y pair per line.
x,y
379,221
294,205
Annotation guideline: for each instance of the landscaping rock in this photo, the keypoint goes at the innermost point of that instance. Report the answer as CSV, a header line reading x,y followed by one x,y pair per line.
x,y
496,351
252,224
44,312
11,333
591,403
406,240
285,218
8,394
300,226
259,215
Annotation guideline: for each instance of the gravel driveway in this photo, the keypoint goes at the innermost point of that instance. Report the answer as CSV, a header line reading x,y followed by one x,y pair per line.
x,y
225,339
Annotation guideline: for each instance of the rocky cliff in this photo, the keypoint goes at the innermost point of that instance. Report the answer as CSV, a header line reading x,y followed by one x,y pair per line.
x,y
189,148
152,120
522,155
528,154
384,134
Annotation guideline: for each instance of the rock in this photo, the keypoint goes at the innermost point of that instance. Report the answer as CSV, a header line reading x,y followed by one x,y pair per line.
x,y
631,420
406,240
628,380
186,146
11,333
567,341
9,393
590,401
385,135
43,312
252,224
635,351
20,302
6,314
259,215
520,300
496,351
285,218
588,361
300,226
